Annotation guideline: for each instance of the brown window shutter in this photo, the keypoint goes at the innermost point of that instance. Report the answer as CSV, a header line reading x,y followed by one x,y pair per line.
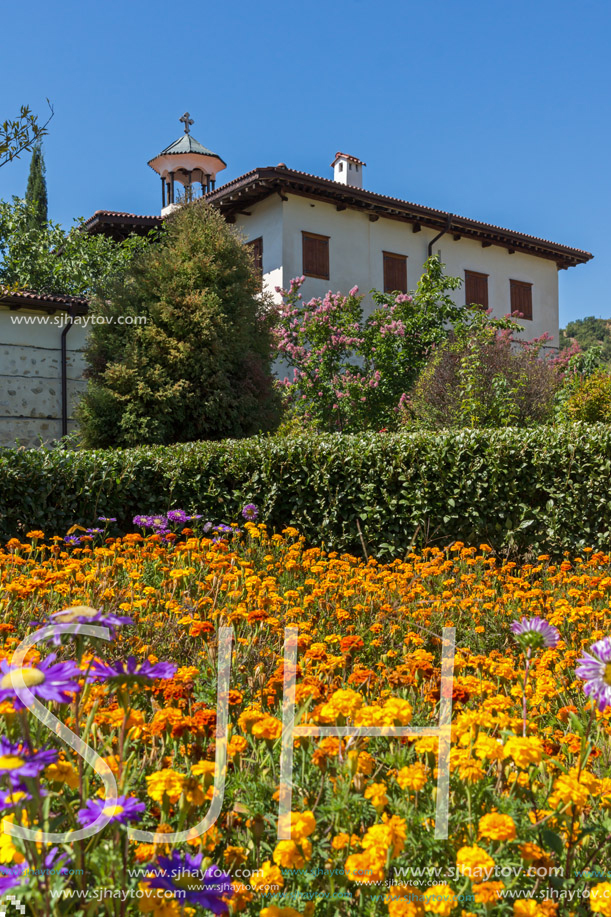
x,y
395,272
256,247
315,252
476,289
522,298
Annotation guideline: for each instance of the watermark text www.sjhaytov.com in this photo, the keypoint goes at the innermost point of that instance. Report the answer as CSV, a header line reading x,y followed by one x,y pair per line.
x,y
59,321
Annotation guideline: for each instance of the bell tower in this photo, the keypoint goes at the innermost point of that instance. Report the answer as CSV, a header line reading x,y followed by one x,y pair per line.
x,y
188,162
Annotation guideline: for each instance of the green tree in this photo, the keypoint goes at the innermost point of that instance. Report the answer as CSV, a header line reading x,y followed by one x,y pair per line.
x,y
50,259
20,134
183,352
589,332
36,191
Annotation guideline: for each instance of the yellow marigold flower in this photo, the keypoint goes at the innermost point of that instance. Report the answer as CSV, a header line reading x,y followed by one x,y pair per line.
x,y
291,854
154,901
471,771
404,901
413,777
235,856
368,867
440,899
497,827
532,853
399,710
165,782
267,728
248,718
342,703
204,769
376,793
302,825
237,746
340,841
268,878
486,747
524,750
427,745
392,834
474,862
600,898
487,892
62,772
569,790
8,851
526,907
362,762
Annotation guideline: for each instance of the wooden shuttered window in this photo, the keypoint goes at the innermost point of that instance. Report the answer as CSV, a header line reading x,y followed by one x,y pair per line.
x,y
315,251
476,289
522,298
395,272
256,247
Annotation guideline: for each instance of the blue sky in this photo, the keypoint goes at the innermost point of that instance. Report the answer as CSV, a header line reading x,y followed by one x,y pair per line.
x,y
496,111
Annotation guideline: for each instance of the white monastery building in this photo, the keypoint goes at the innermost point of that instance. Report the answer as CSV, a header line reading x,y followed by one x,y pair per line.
x,y
332,230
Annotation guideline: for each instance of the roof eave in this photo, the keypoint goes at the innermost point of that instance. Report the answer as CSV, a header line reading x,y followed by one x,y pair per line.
x,y
260,183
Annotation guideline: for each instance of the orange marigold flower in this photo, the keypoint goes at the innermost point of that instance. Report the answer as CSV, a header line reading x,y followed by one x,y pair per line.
x,y
474,862
497,827
440,899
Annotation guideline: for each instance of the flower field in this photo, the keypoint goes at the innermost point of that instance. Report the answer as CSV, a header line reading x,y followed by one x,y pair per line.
x,y
530,772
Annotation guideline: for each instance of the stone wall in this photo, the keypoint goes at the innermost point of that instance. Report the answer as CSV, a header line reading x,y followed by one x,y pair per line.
x,y
30,376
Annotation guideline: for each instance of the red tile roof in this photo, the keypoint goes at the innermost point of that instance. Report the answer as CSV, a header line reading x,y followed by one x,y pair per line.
x,y
348,156
253,186
28,299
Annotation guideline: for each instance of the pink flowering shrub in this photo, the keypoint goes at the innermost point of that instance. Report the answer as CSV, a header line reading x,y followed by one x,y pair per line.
x,y
350,373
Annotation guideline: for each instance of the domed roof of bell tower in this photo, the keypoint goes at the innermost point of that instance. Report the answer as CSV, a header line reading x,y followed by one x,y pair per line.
x,y
187,161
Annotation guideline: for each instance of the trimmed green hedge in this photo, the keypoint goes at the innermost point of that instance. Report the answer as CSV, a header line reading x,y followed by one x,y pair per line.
x,y
524,491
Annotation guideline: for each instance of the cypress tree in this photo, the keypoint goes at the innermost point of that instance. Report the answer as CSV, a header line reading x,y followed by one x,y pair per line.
x,y
36,192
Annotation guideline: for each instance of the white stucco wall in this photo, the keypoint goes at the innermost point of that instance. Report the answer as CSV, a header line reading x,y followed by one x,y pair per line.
x,y
30,377
355,256
266,221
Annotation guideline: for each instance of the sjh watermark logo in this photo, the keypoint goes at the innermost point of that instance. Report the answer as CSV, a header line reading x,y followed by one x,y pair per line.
x,y
290,731
7,900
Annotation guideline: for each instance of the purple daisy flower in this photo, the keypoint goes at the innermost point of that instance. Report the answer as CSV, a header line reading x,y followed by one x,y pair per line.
x,y
250,512
94,531
16,796
17,761
132,671
595,669
119,810
535,633
178,515
107,518
46,681
83,614
72,539
186,879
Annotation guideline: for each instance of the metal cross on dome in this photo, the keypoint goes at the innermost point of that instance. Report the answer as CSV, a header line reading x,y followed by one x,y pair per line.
x,y
187,121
